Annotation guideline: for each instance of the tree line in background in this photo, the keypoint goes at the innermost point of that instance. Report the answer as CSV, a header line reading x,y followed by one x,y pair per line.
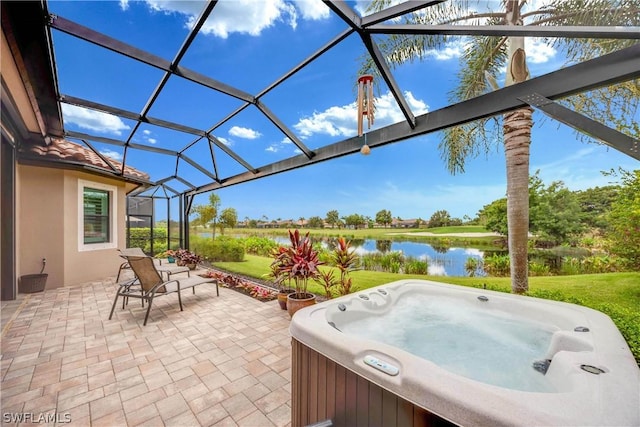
x,y
602,217
606,218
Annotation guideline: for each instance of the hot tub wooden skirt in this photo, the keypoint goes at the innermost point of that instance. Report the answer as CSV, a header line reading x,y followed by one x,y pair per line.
x,y
322,390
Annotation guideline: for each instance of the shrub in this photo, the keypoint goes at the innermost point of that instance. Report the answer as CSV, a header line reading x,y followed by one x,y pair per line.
x,y
596,264
628,322
539,269
416,266
392,261
140,237
158,248
221,249
601,264
570,266
370,261
261,246
473,266
497,265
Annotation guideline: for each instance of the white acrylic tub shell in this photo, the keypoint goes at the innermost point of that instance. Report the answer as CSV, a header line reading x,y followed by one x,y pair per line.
x,y
580,398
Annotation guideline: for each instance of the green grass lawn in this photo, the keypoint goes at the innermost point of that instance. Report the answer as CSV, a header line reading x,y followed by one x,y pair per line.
x,y
616,294
622,289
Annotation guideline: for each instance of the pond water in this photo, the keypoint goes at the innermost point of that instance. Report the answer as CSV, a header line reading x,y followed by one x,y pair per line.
x,y
441,261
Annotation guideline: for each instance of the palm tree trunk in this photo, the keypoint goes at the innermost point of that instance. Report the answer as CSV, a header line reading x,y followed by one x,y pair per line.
x,y
517,139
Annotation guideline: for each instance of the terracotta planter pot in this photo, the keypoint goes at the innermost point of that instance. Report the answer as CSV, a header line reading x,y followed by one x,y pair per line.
x,y
282,300
295,303
192,266
282,297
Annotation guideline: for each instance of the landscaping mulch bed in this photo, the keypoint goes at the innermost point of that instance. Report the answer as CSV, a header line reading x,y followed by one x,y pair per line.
x,y
262,290
230,280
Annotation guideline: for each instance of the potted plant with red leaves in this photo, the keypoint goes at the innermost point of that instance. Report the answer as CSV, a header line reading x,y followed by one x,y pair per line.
x,y
275,274
298,263
188,258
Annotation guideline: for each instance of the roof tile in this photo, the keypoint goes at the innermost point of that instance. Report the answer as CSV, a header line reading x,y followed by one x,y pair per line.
x,y
61,149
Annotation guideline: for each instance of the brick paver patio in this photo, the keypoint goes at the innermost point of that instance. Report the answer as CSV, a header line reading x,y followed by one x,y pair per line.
x,y
223,361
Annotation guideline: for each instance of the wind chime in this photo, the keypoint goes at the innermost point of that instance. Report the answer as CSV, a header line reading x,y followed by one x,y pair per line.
x,y
366,107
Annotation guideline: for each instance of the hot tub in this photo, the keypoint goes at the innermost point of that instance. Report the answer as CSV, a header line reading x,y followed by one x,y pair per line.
x,y
416,352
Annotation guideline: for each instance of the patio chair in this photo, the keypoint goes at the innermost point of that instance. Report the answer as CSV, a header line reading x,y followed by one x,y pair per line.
x,y
124,253
148,284
168,269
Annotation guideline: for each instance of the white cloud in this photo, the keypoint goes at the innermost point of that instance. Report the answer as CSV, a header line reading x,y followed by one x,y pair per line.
x,y
152,140
473,252
538,51
93,120
313,9
225,141
146,132
244,16
277,146
111,154
343,120
436,269
124,4
452,50
245,133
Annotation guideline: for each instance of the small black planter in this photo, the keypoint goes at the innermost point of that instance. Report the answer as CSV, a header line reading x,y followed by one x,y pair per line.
x,y
31,283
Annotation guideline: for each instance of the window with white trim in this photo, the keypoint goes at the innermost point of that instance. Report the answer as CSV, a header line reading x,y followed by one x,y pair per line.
x,y
97,225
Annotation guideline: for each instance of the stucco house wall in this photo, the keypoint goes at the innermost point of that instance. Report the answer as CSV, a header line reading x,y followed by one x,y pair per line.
x,y
48,203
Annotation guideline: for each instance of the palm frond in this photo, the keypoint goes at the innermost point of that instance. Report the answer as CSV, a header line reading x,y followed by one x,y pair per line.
x,y
470,140
589,12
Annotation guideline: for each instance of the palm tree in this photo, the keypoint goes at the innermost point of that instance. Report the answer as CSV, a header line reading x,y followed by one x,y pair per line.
x,y
482,62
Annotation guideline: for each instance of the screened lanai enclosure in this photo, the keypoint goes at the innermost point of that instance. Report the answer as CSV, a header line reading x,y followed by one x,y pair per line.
x,y
82,65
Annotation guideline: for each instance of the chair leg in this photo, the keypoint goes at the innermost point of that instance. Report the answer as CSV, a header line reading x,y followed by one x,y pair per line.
x,y
180,301
115,301
217,289
148,310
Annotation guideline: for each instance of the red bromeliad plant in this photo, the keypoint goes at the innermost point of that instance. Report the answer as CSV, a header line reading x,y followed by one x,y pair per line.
x,y
298,262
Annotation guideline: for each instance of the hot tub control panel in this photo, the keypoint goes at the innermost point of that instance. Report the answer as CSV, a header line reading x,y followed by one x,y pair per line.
x,y
381,365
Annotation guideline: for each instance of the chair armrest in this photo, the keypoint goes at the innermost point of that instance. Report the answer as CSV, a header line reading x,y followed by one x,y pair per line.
x,y
167,290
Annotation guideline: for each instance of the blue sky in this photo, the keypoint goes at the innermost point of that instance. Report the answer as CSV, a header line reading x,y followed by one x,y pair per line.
x,y
249,44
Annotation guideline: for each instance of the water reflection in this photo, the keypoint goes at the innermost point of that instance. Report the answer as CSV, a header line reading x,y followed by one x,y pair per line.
x,y
442,260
